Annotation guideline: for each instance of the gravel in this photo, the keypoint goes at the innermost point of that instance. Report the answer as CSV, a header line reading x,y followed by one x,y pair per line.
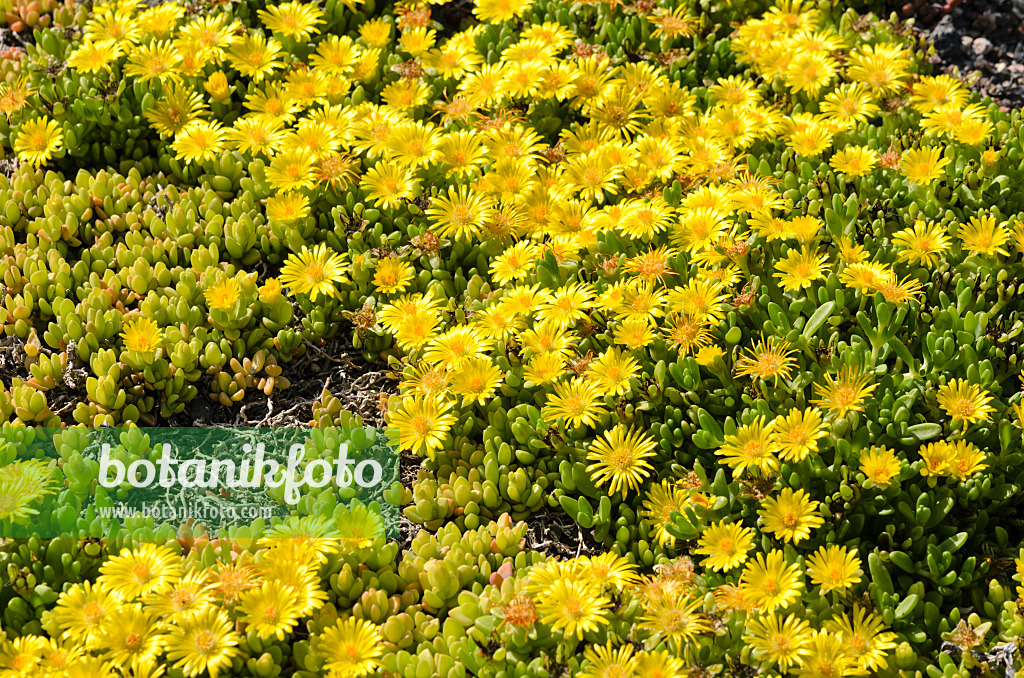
x,y
986,36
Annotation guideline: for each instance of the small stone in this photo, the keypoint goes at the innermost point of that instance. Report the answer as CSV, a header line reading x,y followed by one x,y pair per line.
x,y
945,35
966,42
981,46
1000,67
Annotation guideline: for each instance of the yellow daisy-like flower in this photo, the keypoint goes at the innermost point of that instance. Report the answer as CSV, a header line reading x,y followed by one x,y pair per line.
x,y
142,335
81,610
93,57
295,20
422,424
923,165
800,268
573,607
350,647
223,295
577,401
795,435
675,617
287,207
834,568
984,236
791,516
157,60
393,275
880,465
769,583
130,636
314,272
620,459
921,244
854,161
964,402
845,394
864,637
662,499
203,641
271,610
965,460
255,56
749,447
147,569
38,140
776,640
199,141
936,458
496,11
726,546
769,359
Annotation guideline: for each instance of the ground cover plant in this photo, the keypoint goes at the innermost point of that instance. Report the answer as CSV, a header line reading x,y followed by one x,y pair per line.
x,y
703,325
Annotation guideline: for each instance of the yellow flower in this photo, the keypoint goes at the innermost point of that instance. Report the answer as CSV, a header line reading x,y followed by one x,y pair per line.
x,y
255,56
147,569
984,236
270,610
203,641
223,295
602,661
769,583
38,140
295,20
833,568
496,11
864,638
770,359
130,636
422,424
577,401
921,244
776,640
81,610
800,268
845,394
314,272
217,86
142,335
854,161
287,207
675,617
199,141
966,459
880,465
750,446
573,607
791,516
726,546
393,275
795,435
923,165
662,499
936,458
93,57
157,60
964,402
350,647
620,459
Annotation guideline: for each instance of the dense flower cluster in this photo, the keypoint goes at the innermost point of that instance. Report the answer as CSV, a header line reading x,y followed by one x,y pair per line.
x,y
733,291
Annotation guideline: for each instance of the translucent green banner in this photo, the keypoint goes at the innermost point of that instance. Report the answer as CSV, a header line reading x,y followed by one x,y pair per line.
x,y
216,481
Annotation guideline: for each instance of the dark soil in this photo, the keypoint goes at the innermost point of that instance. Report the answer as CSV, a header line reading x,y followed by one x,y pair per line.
x,y
986,36
553,532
